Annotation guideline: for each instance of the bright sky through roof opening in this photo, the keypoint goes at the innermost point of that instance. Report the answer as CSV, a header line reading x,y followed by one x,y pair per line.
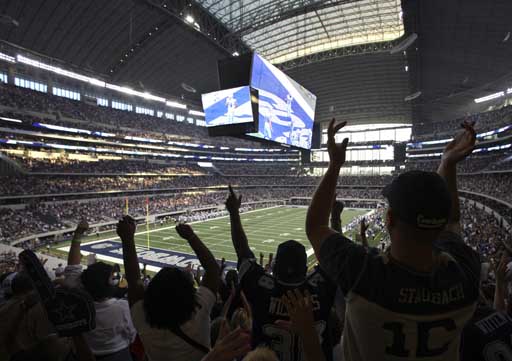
x,y
268,29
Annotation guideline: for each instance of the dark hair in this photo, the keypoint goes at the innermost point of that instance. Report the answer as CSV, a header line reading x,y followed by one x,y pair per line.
x,y
231,277
169,299
21,284
96,280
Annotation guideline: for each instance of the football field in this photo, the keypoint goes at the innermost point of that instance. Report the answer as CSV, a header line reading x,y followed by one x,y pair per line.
x,y
265,229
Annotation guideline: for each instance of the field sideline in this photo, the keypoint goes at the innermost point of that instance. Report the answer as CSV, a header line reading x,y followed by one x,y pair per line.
x,y
265,229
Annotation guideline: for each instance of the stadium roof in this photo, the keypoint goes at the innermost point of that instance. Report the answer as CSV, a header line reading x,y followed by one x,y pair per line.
x,y
285,30
462,51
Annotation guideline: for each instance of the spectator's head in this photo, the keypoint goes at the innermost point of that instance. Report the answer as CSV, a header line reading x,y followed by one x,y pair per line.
x,y
21,284
98,280
169,299
291,262
241,319
261,354
419,206
7,284
232,278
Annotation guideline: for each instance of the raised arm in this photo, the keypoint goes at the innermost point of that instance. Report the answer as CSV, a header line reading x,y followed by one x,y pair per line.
x,y
211,278
337,209
300,310
456,151
363,227
74,256
501,290
238,235
126,231
317,219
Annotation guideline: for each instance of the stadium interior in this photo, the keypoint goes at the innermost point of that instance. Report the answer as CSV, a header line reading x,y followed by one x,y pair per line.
x,y
101,116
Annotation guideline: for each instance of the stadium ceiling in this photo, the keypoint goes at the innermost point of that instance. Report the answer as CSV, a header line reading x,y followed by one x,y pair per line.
x,y
145,44
285,30
463,52
337,49
360,89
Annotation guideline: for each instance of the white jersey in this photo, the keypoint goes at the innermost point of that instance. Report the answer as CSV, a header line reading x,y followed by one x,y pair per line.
x,y
231,103
395,313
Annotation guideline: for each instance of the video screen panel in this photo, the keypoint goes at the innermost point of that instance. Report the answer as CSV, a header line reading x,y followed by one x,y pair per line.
x,y
228,107
286,109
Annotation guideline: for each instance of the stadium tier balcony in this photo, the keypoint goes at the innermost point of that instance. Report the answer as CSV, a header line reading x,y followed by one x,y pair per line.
x,y
444,128
77,114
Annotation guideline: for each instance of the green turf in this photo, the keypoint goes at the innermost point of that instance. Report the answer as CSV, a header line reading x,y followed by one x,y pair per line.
x,y
265,229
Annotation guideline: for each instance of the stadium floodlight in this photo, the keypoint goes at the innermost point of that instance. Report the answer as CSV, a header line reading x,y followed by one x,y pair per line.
x,y
236,53
190,19
489,97
12,120
8,58
90,80
205,164
196,112
170,103
130,91
509,91
60,71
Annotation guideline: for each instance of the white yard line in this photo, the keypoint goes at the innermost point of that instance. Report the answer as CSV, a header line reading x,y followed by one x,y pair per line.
x,y
267,230
172,227
116,239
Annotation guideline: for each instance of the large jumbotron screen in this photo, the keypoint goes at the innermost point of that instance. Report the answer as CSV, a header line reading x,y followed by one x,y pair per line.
x,y
226,107
286,109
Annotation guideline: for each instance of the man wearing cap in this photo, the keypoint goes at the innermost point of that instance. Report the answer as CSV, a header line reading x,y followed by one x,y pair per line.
x,y
264,291
411,302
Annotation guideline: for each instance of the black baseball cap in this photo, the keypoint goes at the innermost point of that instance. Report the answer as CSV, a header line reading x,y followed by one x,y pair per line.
x,y
419,198
291,262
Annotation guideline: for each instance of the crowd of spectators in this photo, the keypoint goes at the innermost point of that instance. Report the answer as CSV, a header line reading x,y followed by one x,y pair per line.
x,y
41,217
51,185
244,169
221,315
65,165
79,114
483,122
425,258
496,185
499,161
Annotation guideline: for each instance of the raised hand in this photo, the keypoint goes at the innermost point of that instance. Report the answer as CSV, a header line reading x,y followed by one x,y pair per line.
x,y
82,227
501,269
461,146
233,345
233,202
126,228
363,226
185,231
337,207
300,310
337,152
